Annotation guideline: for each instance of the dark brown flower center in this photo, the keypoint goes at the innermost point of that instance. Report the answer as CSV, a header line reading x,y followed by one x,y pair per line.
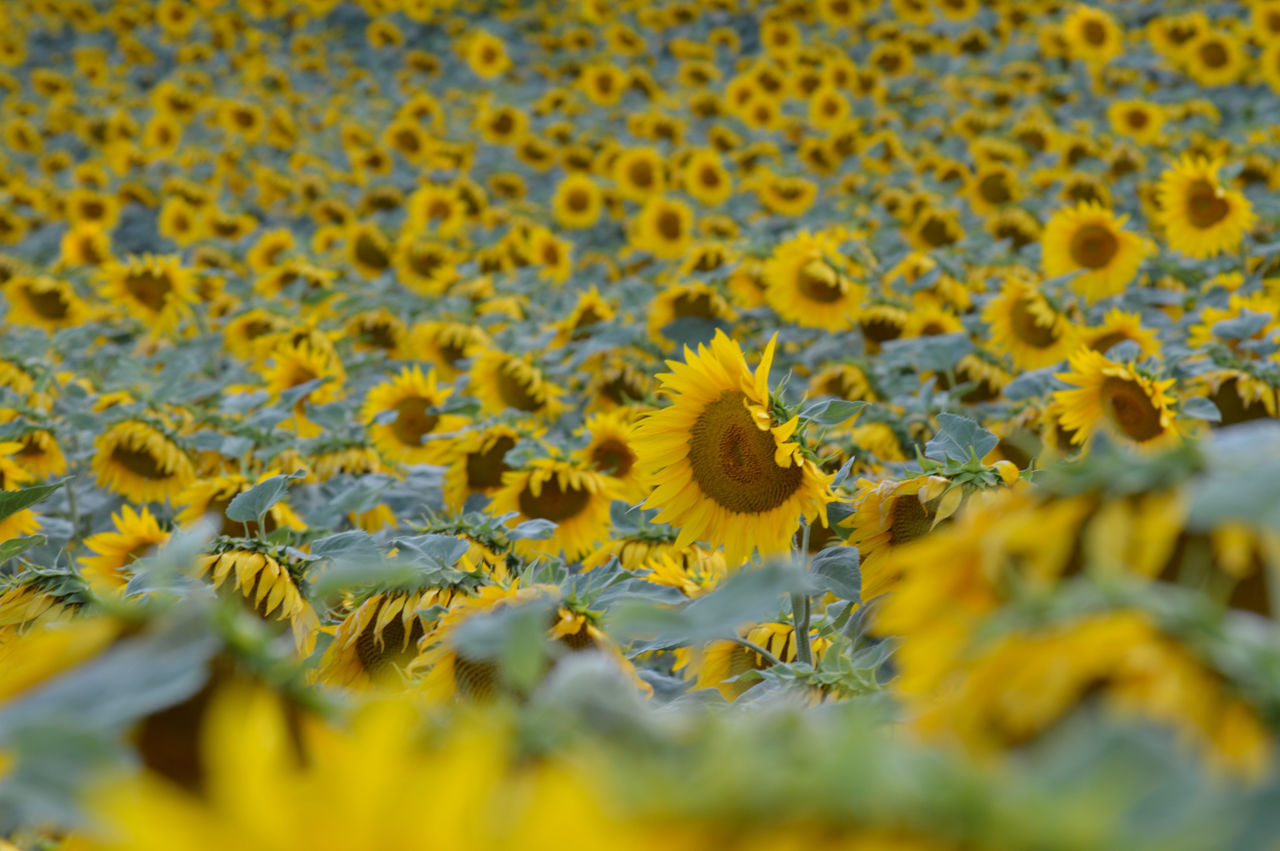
x,y
1094,246
1130,409
732,459
553,502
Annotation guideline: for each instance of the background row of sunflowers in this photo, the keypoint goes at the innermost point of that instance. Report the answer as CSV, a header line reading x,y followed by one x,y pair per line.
x,y
639,424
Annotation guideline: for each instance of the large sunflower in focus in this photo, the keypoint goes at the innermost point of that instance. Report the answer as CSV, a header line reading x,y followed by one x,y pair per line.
x,y
810,282
1201,217
1115,397
1090,239
725,471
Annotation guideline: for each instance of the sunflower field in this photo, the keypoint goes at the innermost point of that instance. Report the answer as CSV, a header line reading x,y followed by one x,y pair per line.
x,y
653,425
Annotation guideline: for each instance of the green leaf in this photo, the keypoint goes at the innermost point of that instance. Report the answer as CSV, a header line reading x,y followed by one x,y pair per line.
x,y
956,437
831,412
1201,408
11,502
836,570
434,549
247,507
745,597
533,530
15,547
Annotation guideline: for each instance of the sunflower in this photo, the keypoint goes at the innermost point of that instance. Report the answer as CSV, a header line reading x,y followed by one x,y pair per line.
x,y
268,585
889,514
290,365
783,195
723,469
417,435
141,463
44,302
1119,326
577,202
992,187
379,637
12,478
1117,398
573,496
84,245
639,174
590,310
663,227
486,55
1199,216
447,344
842,380
694,571
379,331
211,496
1091,240
811,283
880,323
611,453
40,454
1140,120
701,301
718,664
368,249
1215,58
424,265
1092,35
935,228
503,381
136,534
157,290
478,463
1023,325
705,179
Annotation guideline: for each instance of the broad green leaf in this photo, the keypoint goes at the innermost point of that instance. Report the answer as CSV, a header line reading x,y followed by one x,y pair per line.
x,y
956,436
11,502
836,570
15,547
831,411
257,500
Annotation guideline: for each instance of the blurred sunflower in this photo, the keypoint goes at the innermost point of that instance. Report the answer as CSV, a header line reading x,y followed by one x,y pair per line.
x,y
1115,397
417,434
141,463
211,497
809,281
1023,325
270,587
573,496
611,453
158,291
136,534
1200,217
504,381
45,302
1091,240
477,464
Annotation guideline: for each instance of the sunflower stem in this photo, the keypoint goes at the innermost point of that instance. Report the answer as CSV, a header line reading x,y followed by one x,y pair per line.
x,y
800,604
757,649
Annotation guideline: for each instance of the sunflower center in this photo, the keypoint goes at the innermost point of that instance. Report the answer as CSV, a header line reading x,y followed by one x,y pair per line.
x,y
370,253
149,288
517,391
1205,205
425,261
936,232
140,462
553,502
485,469
1028,328
395,648
819,282
640,173
578,201
669,225
1213,54
908,519
613,457
1130,409
1095,33
994,189
48,303
1094,246
412,421
732,459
